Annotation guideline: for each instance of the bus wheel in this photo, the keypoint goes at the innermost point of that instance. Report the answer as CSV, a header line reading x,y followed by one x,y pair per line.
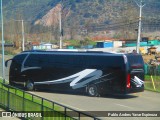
x,y
29,85
92,91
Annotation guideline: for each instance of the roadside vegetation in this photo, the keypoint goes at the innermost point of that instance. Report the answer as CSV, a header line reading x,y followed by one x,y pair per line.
x,y
8,51
81,43
19,100
152,83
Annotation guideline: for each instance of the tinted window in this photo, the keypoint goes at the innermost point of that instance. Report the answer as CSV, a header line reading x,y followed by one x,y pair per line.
x,y
105,61
134,59
34,60
19,58
65,60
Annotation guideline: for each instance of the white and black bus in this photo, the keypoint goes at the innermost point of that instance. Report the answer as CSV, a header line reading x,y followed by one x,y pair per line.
x,y
92,72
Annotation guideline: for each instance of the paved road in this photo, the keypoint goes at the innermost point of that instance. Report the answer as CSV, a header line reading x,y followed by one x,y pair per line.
x,y
6,69
145,101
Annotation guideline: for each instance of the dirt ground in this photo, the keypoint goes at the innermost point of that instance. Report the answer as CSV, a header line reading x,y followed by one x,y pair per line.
x,y
147,57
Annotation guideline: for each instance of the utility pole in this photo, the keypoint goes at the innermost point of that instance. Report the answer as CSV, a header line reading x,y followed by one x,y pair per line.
x,y
141,5
23,37
3,64
60,27
23,46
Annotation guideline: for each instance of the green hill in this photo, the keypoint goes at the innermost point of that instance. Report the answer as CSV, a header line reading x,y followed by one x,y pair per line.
x,y
93,15
101,11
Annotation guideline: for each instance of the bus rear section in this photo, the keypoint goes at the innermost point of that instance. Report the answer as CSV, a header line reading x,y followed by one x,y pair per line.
x,y
135,73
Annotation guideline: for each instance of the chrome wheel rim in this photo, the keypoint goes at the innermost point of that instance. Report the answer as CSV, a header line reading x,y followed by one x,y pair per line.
x,y
30,86
92,91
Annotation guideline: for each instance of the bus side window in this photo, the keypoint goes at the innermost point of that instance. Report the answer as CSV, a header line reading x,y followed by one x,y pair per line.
x,y
19,59
78,62
43,60
32,61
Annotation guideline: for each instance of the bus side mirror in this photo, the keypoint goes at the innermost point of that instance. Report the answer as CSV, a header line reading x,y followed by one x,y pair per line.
x,y
6,62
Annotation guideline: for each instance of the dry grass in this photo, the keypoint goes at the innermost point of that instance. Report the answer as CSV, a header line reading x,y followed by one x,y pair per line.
x,y
147,58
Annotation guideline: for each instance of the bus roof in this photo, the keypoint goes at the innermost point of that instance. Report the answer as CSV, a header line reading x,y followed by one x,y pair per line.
x,y
82,52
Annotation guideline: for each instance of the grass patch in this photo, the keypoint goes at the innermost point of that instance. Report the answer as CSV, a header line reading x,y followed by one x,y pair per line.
x,y
19,100
148,77
149,84
28,96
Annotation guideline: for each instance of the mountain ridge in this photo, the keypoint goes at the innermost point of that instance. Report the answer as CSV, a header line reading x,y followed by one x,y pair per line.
x,y
84,16
101,11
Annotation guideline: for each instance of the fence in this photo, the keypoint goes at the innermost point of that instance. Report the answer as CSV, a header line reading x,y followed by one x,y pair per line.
x,y
29,106
152,77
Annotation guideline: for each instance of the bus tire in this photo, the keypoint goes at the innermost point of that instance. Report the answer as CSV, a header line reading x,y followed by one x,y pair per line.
x,y
29,85
92,90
